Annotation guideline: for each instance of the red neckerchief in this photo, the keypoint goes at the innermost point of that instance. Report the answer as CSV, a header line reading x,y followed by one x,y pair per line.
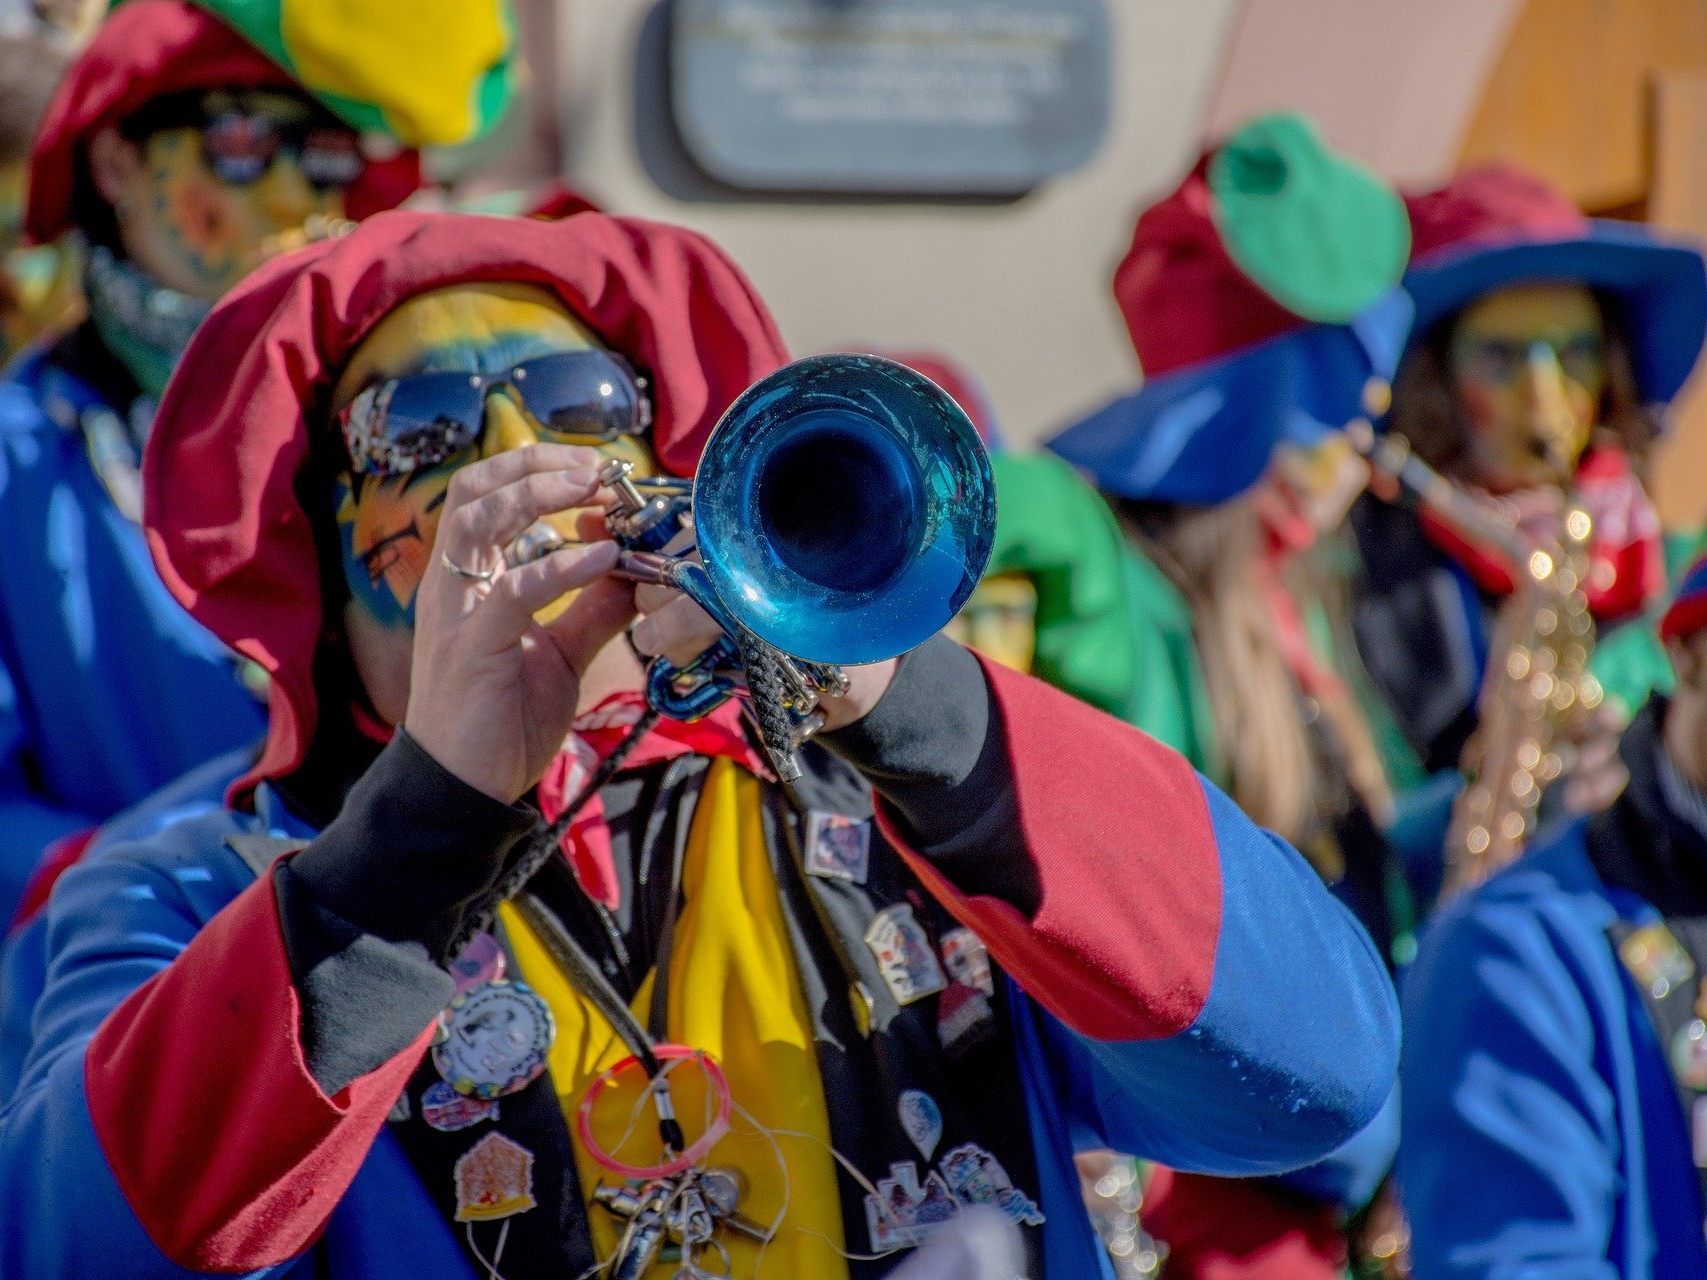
x,y
587,843
595,735
1626,553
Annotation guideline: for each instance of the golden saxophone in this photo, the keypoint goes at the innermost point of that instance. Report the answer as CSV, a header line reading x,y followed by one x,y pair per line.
x,y
1537,673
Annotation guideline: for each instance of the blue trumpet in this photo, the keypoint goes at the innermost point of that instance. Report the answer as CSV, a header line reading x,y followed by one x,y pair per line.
x,y
843,511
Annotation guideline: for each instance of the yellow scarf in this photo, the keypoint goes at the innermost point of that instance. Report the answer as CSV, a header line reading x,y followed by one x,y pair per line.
x,y
735,993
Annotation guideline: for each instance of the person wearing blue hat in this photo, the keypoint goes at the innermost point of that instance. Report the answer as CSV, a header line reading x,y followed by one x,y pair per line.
x,y
1262,301
1545,349
1555,1059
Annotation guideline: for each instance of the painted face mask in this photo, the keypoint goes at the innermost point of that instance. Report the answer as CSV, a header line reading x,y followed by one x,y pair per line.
x,y
227,176
449,377
1528,370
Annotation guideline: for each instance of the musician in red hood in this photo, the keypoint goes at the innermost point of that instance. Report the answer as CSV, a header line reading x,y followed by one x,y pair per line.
x,y
371,1020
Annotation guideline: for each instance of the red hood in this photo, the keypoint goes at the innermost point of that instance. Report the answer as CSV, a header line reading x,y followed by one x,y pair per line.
x,y
146,49
237,421
1185,301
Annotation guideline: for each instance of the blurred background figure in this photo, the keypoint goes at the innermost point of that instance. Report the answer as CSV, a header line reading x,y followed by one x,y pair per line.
x,y
38,285
1545,351
183,146
1555,1070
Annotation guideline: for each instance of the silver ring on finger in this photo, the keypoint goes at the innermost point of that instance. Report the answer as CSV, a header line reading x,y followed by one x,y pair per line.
x,y
472,575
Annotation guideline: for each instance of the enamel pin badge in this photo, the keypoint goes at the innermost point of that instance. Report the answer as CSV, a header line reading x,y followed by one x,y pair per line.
x,y
904,954
838,847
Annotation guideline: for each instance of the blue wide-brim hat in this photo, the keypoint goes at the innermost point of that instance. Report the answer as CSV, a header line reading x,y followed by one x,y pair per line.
x,y
1498,226
1204,434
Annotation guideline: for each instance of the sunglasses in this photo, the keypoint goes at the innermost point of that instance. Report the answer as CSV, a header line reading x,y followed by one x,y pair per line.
x,y
242,139
239,147
407,424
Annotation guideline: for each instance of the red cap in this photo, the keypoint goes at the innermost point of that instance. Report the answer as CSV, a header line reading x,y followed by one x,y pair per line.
x,y
1184,299
145,50
1487,206
247,401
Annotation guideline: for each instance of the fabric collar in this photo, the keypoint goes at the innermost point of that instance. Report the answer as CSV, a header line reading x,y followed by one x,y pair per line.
x,y
143,322
587,843
1626,549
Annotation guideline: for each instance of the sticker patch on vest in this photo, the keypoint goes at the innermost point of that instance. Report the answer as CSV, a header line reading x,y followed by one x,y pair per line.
x,y
494,1179
838,847
905,1211
967,959
904,955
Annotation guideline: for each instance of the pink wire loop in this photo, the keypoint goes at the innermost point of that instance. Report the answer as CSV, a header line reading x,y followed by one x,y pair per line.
x,y
696,1151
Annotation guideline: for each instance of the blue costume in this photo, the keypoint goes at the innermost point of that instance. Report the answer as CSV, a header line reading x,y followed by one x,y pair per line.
x,y
1542,1132
108,689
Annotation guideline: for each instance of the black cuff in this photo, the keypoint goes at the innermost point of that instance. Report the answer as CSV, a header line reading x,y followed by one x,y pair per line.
x,y
364,1000
935,749
413,850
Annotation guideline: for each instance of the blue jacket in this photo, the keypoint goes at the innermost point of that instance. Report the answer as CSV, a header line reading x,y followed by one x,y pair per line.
x,y
1542,1134
108,689
23,958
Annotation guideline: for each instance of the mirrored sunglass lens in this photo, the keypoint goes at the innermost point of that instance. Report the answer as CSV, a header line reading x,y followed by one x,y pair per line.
x,y
583,394
240,148
428,419
331,159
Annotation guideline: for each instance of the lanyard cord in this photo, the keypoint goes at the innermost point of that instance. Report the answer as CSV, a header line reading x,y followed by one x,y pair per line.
x,y
545,841
584,974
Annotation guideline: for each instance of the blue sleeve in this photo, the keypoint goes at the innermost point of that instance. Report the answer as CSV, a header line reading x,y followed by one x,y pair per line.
x,y
29,822
1349,1178
1294,1052
1507,1166
113,924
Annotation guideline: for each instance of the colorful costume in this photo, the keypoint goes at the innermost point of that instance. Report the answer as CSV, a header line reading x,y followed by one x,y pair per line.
x,y
1542,1128
1425,599
219,1050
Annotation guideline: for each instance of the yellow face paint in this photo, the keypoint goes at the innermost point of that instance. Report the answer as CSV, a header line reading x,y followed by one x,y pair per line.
x,y
201,235
1000,620
1528,373
387,523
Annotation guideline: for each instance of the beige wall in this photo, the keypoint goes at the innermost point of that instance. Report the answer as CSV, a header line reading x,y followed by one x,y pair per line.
x,y
1019,292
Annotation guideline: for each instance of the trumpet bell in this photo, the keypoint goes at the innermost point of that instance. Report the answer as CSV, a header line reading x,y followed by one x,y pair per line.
x,y
844,509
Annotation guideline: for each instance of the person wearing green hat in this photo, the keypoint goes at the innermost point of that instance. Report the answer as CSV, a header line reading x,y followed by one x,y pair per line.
x,y
185,144
1262,301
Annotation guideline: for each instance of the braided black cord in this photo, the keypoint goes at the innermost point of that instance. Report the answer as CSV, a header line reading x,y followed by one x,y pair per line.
x,y
545,840
766,684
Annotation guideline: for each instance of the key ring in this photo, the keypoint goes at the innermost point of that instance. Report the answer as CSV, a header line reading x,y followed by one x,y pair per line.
x,y
696,1151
